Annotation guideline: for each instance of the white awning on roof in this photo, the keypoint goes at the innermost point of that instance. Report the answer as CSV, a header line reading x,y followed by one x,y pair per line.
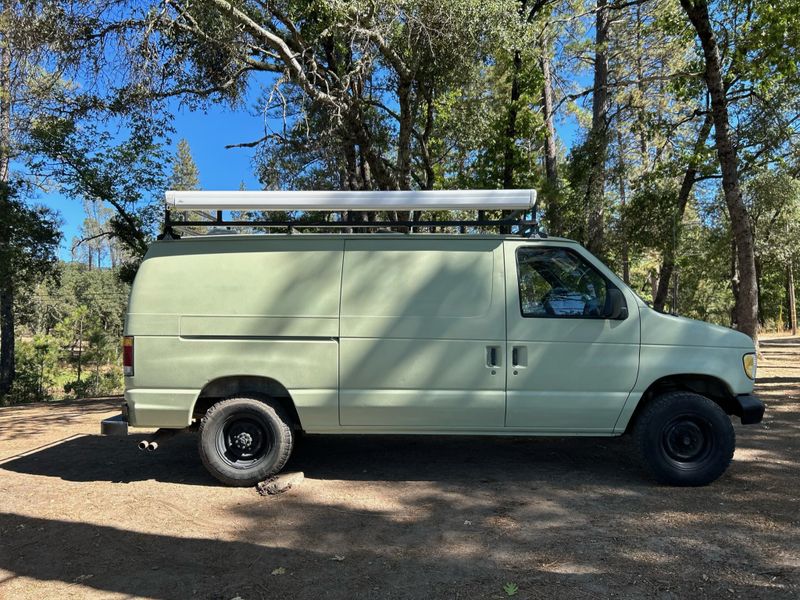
x,y
338,201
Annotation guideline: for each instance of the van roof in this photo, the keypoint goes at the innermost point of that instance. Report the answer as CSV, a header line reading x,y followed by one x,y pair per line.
x,y
382,235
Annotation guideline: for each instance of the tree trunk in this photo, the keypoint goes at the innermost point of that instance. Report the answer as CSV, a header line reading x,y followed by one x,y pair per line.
x,y
552,210
7,363
746,300
734,280
430,174
404,99
621,174
668,260
374,173
7,366
80,349
598,136
759,271
792,303
509,151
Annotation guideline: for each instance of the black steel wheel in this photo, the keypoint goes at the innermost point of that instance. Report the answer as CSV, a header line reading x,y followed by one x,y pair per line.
x,y
242,441
245,440
685,439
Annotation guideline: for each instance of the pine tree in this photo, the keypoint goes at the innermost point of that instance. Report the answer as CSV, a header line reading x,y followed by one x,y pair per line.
x,y
185,175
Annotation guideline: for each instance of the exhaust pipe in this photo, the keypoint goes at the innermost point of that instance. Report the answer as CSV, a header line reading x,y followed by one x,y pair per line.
x,y
161,435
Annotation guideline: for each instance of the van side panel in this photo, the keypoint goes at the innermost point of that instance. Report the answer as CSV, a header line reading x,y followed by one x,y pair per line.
x,y
171,371
285,280
418,318
210,308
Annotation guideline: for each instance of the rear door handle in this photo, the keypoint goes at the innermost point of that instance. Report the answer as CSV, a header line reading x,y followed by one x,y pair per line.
x,y
492,356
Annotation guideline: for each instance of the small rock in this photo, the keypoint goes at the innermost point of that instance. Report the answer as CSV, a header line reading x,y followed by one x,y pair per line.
x,y
280,483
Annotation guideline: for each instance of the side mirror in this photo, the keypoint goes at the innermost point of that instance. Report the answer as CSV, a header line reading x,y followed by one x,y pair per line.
x,y
619,309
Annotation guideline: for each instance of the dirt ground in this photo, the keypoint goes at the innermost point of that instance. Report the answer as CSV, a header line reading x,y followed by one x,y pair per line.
x,y
82,516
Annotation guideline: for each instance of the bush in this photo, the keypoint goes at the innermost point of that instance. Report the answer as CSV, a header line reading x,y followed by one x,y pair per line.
x,y
37,367
105,382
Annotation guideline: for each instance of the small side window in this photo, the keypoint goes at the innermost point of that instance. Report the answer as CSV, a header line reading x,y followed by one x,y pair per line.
x,y
557,282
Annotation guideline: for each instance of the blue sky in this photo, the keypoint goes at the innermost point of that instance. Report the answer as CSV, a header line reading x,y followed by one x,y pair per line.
x,y
208,132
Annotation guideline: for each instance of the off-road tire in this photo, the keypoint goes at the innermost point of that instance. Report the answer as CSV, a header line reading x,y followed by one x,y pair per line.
x,y
685,439
224,450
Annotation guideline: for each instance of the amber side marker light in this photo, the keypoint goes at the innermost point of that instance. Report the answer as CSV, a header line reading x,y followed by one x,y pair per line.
x,y
749,363
127,356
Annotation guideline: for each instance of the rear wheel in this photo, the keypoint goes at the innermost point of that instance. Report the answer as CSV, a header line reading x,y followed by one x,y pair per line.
x,y
685,439
245,440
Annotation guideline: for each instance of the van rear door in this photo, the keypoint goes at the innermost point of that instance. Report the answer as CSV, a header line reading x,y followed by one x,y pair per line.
x,y
422,338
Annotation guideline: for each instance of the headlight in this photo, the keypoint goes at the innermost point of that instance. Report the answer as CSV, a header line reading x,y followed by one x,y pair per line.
x,y
749,364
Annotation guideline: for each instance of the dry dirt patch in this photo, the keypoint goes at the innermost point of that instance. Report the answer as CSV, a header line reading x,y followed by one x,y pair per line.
x,y
86,516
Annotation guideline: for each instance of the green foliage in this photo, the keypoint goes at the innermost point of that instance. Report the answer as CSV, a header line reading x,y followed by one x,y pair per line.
x,y
773,200
88,162
28,241
649,217
29,237
703,270
70,325
37,369
511,589
185,175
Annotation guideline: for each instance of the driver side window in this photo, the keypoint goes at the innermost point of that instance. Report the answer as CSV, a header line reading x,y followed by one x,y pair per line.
x,y
557,282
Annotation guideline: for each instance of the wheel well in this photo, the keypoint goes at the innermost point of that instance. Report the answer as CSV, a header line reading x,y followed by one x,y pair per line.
x,y
225,387
705,385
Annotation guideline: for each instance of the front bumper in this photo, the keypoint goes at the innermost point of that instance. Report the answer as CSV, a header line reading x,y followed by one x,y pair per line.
x,y
116,425
749,408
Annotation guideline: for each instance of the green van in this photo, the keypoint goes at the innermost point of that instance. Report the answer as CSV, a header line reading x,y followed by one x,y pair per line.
x,y
256,338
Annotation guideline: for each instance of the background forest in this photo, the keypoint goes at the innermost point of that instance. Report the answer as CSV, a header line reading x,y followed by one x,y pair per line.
x,y
663,135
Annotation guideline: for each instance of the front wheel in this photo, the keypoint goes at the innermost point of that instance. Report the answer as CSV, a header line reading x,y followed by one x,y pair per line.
x,y
245,440
685,439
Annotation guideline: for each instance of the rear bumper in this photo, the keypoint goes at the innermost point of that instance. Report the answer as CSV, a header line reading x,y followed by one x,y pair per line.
x,y
749,408
116,425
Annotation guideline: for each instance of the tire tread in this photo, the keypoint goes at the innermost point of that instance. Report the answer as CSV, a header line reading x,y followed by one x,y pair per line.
x,y
655,409
284,441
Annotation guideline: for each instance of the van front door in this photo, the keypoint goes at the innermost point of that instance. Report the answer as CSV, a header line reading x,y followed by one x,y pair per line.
x,y
422,334
573,340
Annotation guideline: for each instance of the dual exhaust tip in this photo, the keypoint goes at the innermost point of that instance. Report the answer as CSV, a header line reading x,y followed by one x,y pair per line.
x,y
148,446
151,445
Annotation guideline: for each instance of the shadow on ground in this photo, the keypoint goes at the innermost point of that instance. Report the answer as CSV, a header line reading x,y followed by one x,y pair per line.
x,y
354,458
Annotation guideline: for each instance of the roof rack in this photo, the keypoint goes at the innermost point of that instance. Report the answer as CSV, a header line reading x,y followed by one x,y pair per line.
x,y
520,203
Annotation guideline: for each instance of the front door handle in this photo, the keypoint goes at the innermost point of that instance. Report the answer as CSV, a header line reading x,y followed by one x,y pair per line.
x,y
519,356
